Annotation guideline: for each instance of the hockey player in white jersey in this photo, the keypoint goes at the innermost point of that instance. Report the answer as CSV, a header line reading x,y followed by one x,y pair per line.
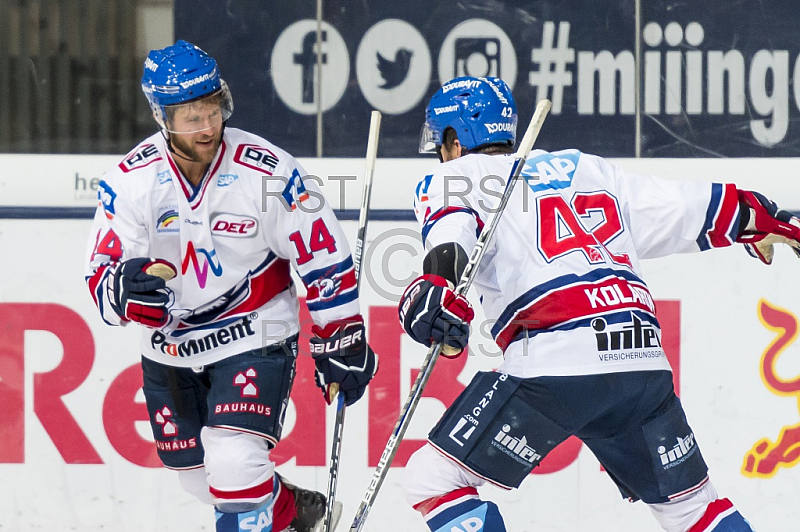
x,y
193,239
561,282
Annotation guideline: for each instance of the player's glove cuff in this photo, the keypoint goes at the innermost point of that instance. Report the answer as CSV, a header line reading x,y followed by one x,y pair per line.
x,y
342,356
137,290
430,312
763,224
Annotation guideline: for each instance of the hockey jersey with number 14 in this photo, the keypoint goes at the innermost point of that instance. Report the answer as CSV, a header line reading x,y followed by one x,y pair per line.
x,y
560,282
232,240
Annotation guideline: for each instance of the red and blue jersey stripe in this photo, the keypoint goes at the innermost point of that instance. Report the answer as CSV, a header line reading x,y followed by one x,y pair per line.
x,y
721,226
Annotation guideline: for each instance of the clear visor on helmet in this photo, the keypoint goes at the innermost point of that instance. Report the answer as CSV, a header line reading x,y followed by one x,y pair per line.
x,y
206,112
428,139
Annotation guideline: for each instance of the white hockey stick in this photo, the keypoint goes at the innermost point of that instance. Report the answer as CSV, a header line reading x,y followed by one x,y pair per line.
x,y
523,150
361,238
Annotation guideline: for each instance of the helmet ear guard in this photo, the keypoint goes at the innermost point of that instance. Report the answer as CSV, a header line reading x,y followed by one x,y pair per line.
x,y
482,111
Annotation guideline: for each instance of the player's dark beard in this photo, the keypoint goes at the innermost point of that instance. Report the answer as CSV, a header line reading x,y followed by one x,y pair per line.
x,y
188,151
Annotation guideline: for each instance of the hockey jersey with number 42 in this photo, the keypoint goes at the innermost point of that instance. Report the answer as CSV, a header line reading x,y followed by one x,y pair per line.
x,y
232,240
561,283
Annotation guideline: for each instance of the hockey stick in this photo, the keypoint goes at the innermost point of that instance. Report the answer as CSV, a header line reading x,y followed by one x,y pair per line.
x,y
361,238
524,149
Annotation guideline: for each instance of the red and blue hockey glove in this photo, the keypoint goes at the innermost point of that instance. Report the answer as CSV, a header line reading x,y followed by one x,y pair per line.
x,y
137,290
763,224
431,312
342,356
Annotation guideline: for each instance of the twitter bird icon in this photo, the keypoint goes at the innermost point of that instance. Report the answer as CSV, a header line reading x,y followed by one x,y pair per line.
x,y
394,72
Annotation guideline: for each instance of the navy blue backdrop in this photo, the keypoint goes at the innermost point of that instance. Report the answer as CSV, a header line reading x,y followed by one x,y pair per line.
x,y
716,77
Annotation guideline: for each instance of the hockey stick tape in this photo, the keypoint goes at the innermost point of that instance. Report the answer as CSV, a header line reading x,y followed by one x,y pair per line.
x,y
160,269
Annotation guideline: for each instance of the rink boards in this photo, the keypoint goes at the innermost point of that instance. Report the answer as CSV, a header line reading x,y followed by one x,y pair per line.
x,y
75,450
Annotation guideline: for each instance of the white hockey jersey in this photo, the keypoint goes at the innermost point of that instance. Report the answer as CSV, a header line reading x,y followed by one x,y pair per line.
x,y
231,239
560,282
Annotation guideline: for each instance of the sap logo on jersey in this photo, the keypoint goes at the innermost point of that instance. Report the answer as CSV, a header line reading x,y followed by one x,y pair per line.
x,y
226,179
472,521
260,522
164,177
551,170
233,225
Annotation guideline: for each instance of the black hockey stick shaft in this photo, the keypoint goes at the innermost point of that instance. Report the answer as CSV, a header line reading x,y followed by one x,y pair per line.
x,y
523,150
361,239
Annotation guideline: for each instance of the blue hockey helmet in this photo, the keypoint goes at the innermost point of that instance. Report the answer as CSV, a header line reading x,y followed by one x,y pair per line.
x,y
481,111
181,74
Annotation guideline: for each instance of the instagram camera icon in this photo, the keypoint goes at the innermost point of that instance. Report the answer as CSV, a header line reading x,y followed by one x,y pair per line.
x,y
477,56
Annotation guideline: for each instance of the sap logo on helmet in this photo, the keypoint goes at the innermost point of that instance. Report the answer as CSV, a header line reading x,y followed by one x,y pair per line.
x,y
448,109
462,84
149,64
199,79
495,127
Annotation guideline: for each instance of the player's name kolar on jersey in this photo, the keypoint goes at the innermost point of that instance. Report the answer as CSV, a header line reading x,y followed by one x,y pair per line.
x,y
231,333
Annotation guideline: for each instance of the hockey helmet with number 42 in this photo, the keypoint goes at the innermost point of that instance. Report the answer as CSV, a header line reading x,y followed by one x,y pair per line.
x,y
179,76
481,111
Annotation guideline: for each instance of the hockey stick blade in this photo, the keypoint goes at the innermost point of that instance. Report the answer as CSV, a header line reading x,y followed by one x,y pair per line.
x,y
523,150
361,238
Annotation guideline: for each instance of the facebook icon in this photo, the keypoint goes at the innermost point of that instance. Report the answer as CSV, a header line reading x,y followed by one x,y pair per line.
x,y
307,59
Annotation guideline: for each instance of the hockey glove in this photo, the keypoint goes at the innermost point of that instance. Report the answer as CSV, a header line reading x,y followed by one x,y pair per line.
x,y
764,224
342,355
431,312
139,296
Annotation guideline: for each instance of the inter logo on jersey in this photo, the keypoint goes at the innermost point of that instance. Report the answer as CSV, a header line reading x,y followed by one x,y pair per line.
x,y
632,335
106,196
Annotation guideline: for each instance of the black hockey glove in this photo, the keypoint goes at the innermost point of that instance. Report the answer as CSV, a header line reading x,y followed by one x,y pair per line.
x,y
764,224
342,355
431,312
137,290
